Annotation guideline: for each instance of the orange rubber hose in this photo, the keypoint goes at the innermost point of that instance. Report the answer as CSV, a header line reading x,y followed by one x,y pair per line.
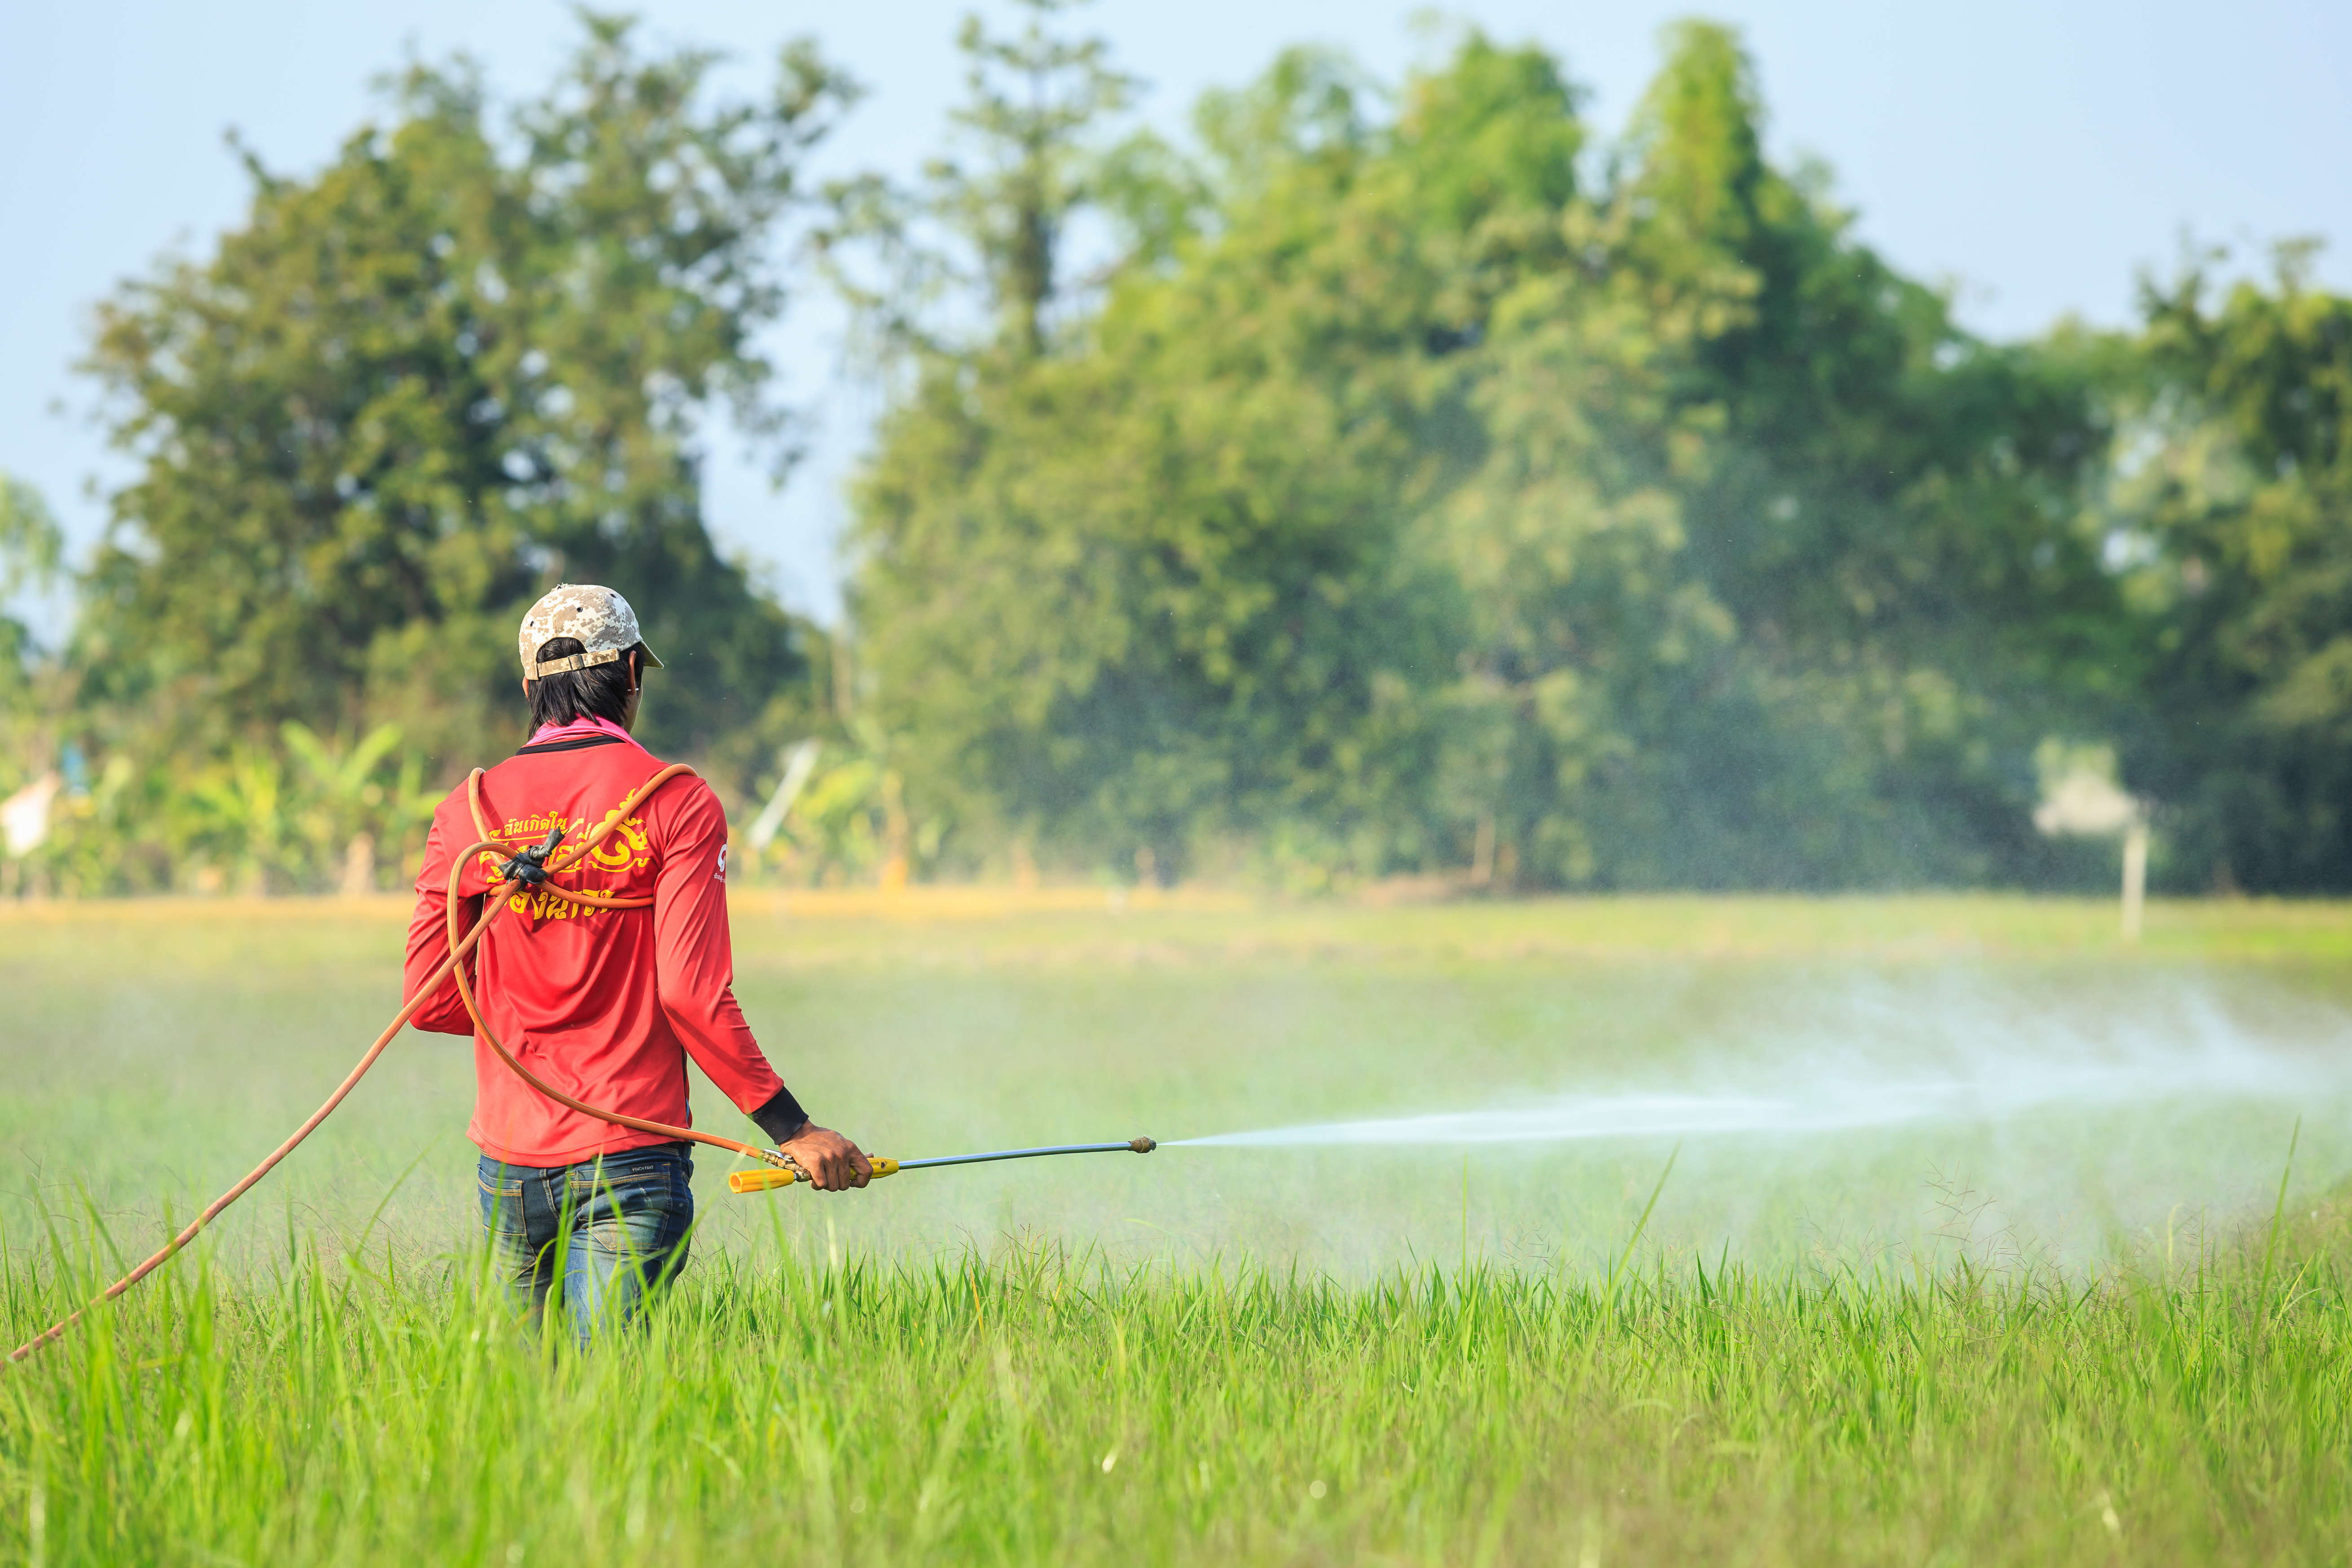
x,y
452,966
596,901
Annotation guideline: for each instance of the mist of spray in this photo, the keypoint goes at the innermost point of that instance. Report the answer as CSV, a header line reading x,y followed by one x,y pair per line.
x,y
2197,1056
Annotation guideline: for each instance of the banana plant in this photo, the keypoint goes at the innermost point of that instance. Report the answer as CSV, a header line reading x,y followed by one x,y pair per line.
x,y
342,817
233,821
850,822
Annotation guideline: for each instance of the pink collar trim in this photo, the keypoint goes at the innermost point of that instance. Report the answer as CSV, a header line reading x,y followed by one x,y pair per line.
x,y
581,729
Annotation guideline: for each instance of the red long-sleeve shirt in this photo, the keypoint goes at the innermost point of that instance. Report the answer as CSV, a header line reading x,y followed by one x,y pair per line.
x,y
603,1003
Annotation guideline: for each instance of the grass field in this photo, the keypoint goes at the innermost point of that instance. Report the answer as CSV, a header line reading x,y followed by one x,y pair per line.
x,y
2048,1323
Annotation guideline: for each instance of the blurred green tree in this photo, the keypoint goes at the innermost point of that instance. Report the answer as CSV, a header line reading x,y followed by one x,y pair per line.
x,y
36,692
1819,556
31,555
413,390
989,222
2232,511
1410,504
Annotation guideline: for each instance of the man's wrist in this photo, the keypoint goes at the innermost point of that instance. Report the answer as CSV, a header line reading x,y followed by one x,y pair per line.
x,y
781,1118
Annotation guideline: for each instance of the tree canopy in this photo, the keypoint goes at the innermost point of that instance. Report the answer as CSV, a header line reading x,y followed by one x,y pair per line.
x,y
458,365
1381,479
1449,495
2231,493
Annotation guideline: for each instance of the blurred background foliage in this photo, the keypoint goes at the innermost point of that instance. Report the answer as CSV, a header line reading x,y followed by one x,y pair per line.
x,y
1389,481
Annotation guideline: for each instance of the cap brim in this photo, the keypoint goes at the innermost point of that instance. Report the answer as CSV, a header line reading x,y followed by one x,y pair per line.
x,y
651,662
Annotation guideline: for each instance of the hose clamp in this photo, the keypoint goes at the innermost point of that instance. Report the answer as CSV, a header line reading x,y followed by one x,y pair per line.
x,y
530,866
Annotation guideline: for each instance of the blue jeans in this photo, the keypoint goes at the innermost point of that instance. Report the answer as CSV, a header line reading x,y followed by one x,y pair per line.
x,y
612,1229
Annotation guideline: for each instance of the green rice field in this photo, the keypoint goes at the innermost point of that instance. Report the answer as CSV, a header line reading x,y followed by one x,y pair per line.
x,y
1906,1230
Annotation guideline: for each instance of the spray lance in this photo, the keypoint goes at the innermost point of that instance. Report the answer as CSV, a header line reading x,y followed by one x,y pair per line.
x,y
761,1181
513,873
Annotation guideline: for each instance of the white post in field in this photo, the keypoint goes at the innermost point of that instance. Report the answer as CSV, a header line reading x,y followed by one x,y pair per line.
x,y
2086,800
2134,877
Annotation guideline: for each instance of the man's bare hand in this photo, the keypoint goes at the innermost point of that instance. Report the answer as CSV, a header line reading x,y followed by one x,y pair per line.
x,y
831,1162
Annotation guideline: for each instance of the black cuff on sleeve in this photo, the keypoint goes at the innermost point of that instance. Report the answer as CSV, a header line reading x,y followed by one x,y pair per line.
x,y
781,1118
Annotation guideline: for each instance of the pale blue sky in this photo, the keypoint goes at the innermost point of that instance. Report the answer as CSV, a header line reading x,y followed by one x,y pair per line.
x,y
2036,154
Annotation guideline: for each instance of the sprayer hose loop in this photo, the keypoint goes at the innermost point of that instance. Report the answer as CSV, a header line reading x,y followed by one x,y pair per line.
x,y
550,861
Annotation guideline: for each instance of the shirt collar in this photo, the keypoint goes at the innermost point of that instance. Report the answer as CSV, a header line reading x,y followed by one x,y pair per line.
x,y
581,729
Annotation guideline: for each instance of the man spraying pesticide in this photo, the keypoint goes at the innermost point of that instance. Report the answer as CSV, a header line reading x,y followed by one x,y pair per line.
x,y
587,965
601,980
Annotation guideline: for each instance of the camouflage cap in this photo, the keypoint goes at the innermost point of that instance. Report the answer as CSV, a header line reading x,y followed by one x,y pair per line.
x,y
599,619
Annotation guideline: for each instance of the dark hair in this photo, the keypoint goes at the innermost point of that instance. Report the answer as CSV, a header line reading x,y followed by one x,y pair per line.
x,y
599,691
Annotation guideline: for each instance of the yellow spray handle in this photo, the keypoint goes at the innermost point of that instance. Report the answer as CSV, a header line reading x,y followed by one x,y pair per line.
x,y
766,1180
